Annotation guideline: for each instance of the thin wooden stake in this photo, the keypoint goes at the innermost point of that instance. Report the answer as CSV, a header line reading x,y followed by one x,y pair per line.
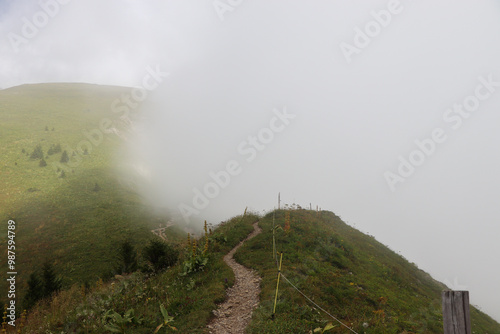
x,y
277,285
274,242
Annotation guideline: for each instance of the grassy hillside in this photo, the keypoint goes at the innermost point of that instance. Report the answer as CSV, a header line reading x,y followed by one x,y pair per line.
x,y
73,220
351,275
188,298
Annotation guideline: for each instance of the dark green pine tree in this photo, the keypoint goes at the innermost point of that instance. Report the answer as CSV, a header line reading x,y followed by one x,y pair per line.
x,y
128,258
37,153
96,187
160,255
35,291
64,157
51,283
42,163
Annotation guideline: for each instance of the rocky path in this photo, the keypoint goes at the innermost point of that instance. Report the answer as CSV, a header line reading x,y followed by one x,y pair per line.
x,y
234,315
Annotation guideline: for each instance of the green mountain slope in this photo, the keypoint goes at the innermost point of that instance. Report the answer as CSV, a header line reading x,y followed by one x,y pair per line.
x,y
73,220
132,303
351,275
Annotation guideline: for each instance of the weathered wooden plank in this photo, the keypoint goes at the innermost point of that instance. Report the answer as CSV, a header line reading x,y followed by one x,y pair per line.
x,y
456,316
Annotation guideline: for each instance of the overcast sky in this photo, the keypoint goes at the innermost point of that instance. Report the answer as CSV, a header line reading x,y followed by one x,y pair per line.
x,y
383,112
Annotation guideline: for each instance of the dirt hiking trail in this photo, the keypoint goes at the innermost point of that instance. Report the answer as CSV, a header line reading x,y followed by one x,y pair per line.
x,y
234,315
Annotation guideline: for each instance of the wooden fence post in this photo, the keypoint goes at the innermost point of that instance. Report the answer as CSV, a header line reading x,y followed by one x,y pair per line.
x,y
456,316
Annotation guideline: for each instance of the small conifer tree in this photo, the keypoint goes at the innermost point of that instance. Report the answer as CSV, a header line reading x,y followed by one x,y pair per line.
x,y
35,291
160,255
37,153
64,157
51,283
128,258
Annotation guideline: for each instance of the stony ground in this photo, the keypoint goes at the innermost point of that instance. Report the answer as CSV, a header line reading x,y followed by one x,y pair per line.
x,y
234,315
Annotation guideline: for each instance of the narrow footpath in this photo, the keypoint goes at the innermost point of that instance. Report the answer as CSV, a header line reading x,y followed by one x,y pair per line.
x,y
234,315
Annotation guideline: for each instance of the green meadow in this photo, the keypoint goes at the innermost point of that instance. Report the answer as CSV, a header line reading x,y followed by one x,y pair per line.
x,y
344,272
74,221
